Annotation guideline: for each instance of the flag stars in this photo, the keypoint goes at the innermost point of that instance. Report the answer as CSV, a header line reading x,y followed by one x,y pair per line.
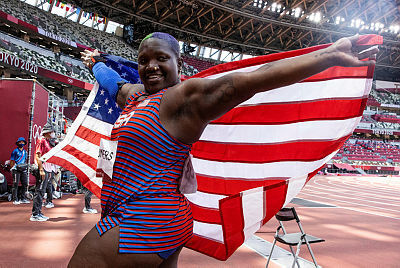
x,y
106,101
102,92
120,66
110,110
124,74
96,106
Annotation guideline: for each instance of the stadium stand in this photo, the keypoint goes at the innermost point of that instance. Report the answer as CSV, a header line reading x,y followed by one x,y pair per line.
x,y
45,58
68,29
390,117
89,37
198,64
372,100
369,152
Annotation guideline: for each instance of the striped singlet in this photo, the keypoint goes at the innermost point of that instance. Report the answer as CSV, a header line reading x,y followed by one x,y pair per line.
x,y
142,196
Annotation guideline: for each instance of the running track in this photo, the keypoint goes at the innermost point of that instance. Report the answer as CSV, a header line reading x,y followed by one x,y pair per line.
x,y
359,217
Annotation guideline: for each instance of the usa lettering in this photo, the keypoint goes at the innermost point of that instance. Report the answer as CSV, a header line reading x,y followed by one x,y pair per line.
x,y
123,119
106,155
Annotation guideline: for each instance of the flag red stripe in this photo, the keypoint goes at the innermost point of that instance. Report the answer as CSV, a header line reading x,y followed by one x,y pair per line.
x,y
312,174
338,73
284,113
203,214
275,196
90,135
266,153
94,188
225,186
233,222
81,156
208,247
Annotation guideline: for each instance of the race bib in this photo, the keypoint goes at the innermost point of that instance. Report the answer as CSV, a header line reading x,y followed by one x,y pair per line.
x,y
106,159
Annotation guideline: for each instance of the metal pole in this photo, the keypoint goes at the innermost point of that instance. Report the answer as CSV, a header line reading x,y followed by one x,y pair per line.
x,y
31,127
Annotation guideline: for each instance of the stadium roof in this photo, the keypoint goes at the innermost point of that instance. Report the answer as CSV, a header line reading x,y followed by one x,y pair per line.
x,y
258,26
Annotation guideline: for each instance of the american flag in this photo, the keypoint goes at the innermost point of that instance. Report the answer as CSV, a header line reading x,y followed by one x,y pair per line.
x,y
252,161
79,150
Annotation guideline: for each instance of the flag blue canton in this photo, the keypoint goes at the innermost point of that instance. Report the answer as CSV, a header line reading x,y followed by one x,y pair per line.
x,y
104,108
125,68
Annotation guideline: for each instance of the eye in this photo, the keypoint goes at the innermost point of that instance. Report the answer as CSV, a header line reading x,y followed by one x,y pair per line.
x,y
162,58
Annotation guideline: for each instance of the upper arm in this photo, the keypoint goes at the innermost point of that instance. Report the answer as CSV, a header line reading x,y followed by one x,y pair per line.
x,y
211,98
126,91
188,107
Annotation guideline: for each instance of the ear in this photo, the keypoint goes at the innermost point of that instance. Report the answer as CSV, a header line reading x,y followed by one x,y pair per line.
x,y
180,64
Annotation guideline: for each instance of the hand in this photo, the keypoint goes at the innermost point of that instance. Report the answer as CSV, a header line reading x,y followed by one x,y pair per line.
x,y
87,55
347,53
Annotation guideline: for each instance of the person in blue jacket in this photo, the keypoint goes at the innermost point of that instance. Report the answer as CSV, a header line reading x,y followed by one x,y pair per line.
x,y
19,170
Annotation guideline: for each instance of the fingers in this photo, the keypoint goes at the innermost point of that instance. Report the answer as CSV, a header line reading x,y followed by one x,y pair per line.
x,y
353,39
368,53
87,53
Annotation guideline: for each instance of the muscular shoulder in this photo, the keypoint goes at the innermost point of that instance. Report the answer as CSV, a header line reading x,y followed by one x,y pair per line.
x,y
179,113
176,100
126,91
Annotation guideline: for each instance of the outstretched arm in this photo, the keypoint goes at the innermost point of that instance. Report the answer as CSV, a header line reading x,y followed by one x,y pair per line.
x,y
109,79
208,99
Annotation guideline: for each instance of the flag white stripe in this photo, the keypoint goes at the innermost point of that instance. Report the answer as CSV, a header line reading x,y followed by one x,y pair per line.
x,y
254,171
294,187
309,130
210,230
90,149
205,199
250,230
253,209
94,124
241,70
91,173
343,88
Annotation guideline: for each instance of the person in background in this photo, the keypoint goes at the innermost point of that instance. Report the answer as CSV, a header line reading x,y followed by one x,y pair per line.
x,y
46,172
56,183
88,198
19,170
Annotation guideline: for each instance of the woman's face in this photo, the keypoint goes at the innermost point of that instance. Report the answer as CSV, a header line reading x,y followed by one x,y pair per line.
x,y
159,66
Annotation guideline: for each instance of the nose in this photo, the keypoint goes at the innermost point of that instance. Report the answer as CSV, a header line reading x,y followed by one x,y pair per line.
x,y
152,66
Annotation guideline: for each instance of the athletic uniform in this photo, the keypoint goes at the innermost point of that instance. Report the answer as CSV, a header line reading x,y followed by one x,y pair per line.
x,y
143,197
